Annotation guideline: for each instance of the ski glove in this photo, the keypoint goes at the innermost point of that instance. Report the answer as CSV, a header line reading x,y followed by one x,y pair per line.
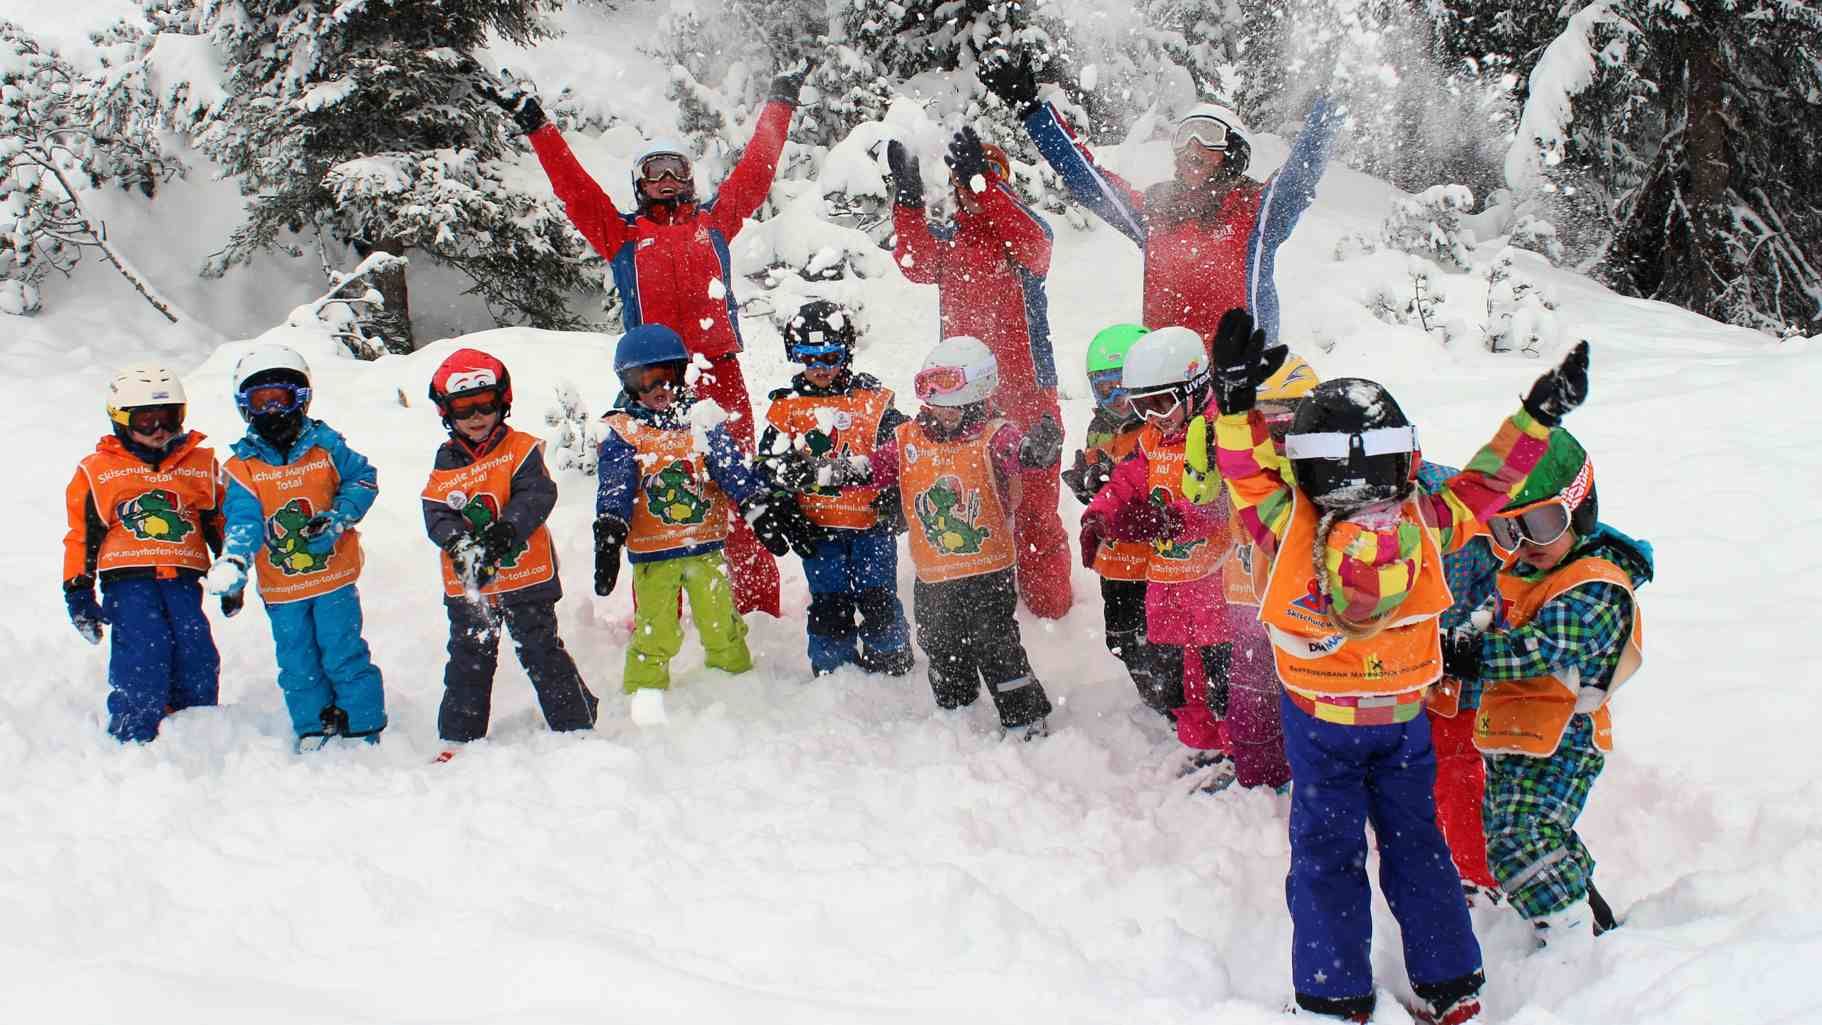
x,y
518,104
1043,444
231,604
890,509
610,537
1087,477
1146,521
469,554
85,614
967,160
1558,392
789,84
1013,81
322,529
907,178
227,576
1461,652
1242,361
1094,531
781,526
498,539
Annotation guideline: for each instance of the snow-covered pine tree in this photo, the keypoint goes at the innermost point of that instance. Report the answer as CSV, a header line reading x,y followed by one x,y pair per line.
x,y
1695,133
359,120
61,132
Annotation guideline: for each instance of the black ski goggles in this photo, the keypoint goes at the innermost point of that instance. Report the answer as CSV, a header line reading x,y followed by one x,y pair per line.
x,y
152,419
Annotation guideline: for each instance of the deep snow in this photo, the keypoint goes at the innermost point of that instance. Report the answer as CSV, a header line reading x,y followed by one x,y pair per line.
x,y
838,850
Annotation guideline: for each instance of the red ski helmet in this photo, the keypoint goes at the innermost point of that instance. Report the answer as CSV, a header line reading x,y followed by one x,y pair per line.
x,y
467,372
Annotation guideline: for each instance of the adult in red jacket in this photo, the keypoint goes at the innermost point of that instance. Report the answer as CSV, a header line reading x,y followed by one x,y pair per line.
x,y
671,264
988,266
1210,234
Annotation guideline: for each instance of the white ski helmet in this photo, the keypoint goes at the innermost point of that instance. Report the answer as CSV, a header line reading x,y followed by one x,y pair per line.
x,y
960,371
275,361
1170,357
143,384
665,147
1215,127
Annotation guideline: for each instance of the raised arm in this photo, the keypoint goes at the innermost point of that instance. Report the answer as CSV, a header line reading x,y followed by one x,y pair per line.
x,y
745,187
1287,194
588,207
1104,193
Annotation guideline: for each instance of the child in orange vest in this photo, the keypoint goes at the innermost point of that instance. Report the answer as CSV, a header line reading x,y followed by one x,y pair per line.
x,y
820,435
958,467
1568,638
1166,380
295,492
1113,435
1351,600
145,514
485,506
668,474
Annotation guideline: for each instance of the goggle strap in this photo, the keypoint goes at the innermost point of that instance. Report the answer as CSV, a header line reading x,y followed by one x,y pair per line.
x,y
1380,441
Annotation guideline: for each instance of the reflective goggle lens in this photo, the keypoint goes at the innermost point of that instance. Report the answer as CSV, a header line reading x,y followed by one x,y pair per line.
x,y
1157,405
152,419
484,403
935,381
1206,132
644,380
665,165
1106,385
1539,525
823,360
1277,417
275,398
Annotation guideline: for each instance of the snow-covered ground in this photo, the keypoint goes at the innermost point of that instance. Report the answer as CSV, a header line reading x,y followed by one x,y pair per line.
x,y
838,850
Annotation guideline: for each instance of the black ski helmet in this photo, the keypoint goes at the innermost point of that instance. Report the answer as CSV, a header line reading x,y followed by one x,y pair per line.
x,y
1350,445
818,328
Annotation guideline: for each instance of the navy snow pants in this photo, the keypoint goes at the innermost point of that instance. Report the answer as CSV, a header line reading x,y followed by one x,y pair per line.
x,y
854,571
1344,777
162,656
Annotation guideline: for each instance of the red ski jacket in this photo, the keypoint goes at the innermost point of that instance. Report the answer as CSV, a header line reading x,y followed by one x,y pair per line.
x,y
988,268
666,261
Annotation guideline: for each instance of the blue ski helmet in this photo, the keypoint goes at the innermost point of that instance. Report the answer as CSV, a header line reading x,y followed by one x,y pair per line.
x,y
648,345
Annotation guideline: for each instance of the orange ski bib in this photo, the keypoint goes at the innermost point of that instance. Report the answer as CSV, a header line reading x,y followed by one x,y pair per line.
x,y
480,491
959,526
291,567
834,426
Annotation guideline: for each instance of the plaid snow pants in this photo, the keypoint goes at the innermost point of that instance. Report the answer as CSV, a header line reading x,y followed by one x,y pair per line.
x,y
1530,813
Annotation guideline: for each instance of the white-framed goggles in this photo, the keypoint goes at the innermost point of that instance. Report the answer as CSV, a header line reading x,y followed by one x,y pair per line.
x,y
1205,130
1339,445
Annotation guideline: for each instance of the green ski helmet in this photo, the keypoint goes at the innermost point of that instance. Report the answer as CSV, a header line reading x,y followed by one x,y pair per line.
x,y
1106,359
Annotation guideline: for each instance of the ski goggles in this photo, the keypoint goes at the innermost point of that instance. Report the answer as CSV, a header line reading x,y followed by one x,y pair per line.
x,y
645,380
1157,405
1339,445
824,360
152,419
275,398
1106,386
660,166
481,403
1204,130
933,382
1540,524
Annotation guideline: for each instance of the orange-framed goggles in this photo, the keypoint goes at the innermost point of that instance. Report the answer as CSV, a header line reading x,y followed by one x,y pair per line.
x,y
480,403
1540,523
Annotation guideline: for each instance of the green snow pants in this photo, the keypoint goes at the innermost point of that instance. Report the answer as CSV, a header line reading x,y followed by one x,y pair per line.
x,y
657,632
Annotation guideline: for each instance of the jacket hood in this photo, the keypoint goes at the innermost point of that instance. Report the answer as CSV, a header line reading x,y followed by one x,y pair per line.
x,y
1630,554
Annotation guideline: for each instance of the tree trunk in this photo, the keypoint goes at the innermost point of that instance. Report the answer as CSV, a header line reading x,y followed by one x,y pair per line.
x,y
1705,149
393,322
